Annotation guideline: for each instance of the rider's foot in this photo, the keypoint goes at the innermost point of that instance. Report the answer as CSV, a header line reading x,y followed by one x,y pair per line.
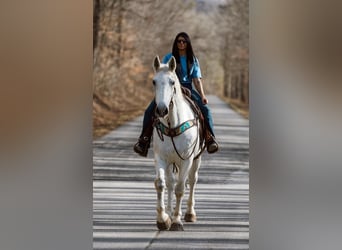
x,y
142,146
212,145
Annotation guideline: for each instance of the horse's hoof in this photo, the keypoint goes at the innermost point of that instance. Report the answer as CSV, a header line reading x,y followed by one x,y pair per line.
x,y
164,225
190,217
176,227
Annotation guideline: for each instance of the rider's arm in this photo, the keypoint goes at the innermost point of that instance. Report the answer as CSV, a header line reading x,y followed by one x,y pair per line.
x,y
199,87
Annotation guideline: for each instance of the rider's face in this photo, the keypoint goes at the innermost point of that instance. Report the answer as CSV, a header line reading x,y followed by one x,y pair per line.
x,y
181,43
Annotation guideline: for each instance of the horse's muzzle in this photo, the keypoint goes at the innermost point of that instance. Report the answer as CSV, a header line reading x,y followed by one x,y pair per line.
x,y
162,110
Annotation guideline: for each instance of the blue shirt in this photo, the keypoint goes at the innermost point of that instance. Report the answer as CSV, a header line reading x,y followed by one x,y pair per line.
x,y
185,78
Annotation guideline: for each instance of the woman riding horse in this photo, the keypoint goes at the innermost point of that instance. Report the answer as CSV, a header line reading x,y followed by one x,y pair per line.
x,y
188,71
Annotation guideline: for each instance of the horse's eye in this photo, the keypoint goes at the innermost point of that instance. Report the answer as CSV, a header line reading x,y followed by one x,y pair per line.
x,y
172,82
154,82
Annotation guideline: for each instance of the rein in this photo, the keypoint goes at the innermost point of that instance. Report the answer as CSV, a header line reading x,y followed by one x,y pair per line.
x,y
193,149
173,132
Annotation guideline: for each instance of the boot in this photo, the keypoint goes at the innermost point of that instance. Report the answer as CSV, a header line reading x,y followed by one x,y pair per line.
x,y
143,144
210,142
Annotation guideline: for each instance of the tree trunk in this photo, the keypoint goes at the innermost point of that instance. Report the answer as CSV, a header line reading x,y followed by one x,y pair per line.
x,y
119,32
96,22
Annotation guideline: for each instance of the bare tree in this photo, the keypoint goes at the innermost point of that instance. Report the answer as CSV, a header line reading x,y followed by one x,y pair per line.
x,y
234,22
96,17
128,34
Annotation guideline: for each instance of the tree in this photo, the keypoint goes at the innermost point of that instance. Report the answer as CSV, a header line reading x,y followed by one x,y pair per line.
x,y
234,19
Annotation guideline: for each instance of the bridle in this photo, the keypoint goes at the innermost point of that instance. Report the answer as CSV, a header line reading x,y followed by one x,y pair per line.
x,y
162,129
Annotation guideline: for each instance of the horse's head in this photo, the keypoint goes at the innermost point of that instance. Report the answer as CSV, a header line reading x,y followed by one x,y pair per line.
x,y
165,84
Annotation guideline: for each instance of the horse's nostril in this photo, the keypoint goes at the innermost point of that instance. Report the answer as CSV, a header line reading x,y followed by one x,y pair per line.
x,y
165,112
162,111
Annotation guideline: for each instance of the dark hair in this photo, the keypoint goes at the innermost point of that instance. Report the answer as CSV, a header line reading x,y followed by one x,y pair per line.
x,y
190,55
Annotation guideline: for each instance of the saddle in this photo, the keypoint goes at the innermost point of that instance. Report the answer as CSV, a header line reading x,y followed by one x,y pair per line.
x,y
187,94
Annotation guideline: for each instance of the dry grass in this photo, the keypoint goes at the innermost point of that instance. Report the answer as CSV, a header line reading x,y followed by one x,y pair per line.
x,y
109,113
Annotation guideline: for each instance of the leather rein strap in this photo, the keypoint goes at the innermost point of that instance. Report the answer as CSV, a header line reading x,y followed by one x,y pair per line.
x,y
173,132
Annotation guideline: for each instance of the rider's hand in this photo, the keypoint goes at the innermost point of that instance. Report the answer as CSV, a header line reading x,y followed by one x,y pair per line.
x,y
204,100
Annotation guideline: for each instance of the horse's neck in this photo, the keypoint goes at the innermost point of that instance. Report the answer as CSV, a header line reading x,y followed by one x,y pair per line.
x,y
180,112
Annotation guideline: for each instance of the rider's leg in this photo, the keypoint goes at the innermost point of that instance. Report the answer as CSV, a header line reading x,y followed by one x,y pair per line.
x,y
143,144
210,141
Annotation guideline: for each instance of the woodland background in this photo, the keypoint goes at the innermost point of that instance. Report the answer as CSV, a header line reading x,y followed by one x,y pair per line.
x,y
127,34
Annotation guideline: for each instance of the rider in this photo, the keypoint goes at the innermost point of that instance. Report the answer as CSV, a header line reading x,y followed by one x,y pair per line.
x,y
188,72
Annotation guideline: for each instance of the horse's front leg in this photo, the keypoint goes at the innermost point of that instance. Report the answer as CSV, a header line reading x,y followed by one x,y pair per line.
x,y
170,184
163,219
190,215
177,224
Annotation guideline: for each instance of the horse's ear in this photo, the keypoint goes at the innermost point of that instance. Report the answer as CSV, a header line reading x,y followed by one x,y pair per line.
x,y
156,63
172,63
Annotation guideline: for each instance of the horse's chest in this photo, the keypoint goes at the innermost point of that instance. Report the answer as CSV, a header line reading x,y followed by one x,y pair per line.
x,y
182,144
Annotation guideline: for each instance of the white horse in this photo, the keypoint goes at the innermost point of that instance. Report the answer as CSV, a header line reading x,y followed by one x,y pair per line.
x,y
176,145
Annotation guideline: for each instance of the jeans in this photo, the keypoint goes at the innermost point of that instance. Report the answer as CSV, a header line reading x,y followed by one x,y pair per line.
x,y
195,97
205,111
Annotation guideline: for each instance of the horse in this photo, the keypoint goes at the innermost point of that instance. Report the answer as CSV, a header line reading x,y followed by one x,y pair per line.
x,y
176,145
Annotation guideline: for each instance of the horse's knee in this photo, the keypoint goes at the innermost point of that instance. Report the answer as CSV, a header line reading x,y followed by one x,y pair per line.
x,y
179,190
159,184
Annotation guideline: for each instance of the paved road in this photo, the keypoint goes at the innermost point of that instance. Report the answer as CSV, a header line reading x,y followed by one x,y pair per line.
x,y
124,198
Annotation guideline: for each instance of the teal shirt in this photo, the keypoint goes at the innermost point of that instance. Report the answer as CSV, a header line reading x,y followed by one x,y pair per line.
x,y
185,78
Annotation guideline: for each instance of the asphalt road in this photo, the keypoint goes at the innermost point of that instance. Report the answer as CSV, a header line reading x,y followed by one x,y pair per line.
x,y
124,198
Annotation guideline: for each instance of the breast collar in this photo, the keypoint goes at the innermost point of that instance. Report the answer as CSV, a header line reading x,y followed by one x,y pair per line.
x,y
162,129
